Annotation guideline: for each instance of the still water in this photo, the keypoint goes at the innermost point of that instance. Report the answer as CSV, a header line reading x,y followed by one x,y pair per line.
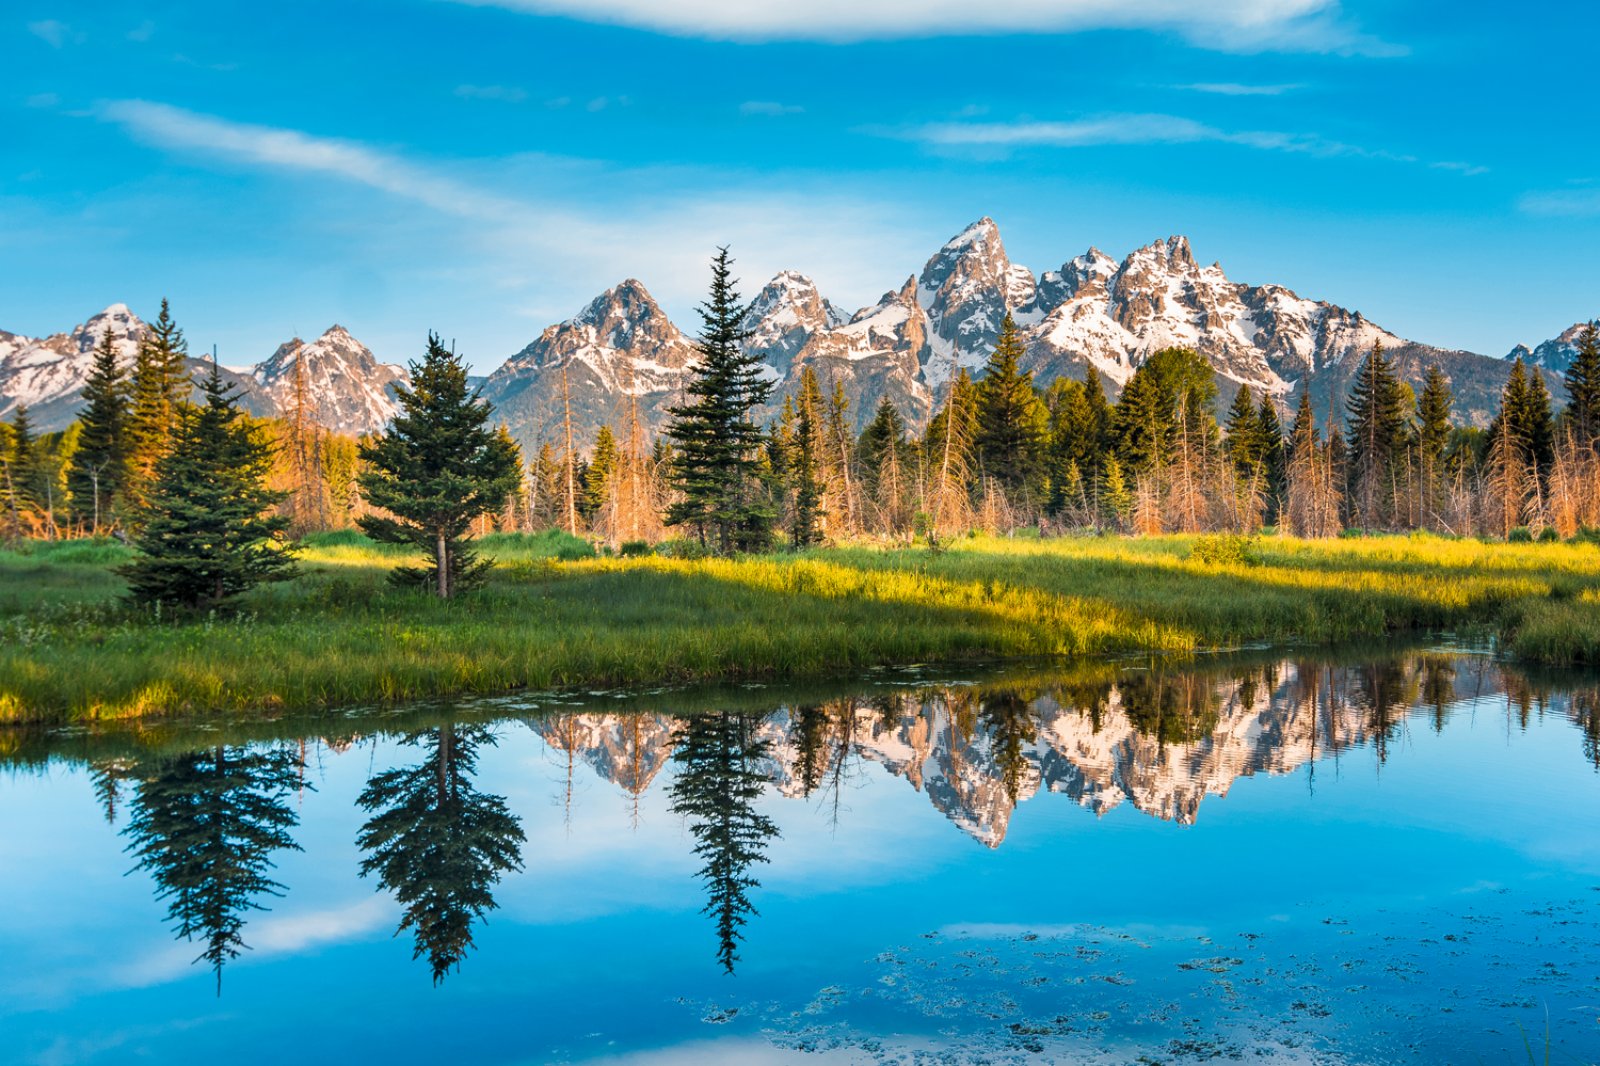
x,y
1276,857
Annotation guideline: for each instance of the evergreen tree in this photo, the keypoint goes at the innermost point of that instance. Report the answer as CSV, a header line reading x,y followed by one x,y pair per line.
x,y
717,465
1012,422
886,460
1269,432
1012,726
805,527
438,843
206,528
719,756
204,825
1375,439
1116,497
25,463
602,470
436,468
1144,426
1433,436
1244,442
100,464
1534,423
159,389
547,477
1583,386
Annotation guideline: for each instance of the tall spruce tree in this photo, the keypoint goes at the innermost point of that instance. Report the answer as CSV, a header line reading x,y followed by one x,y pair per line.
x,y
717,462
25,472
1375,438
1269,431
1243,442
1534,423
1583,387
1433,436
1012,424
206,529
159,388
805,464
437,467
99,469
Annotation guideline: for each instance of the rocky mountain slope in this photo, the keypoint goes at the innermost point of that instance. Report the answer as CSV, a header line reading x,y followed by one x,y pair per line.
x,y
1554,355
345,386
622,354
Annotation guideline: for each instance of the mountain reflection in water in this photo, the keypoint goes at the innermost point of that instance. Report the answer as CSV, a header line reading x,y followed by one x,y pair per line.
x,y
207,811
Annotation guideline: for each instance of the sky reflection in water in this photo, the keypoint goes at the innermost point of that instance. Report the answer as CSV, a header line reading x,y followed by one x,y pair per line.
x,y
1281,858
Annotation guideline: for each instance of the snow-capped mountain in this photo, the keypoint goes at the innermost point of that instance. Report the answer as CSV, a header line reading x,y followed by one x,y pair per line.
x,y
346,388
619,351
1159,744
48,374
1555,354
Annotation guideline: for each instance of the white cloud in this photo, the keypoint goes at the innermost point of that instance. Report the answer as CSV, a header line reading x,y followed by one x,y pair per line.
x,y
1234,88
1563,203
1243,25
769,107
561,249
1136,129
509,93
54,33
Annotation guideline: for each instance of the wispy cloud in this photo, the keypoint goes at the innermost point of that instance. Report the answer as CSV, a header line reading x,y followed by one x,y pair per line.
x,y
1234,88
1232,25
173,127
1136,129
508,93
551,245
55,33
769,107
1562,203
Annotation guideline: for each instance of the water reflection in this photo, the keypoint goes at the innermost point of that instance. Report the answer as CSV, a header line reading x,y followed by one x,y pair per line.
x,y
438,843
204,825
205,819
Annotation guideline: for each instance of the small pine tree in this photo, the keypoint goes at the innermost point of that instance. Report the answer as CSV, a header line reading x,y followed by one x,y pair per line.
x,y
1244,444
1116,498
437,467
1433,436
546,477
100,465
207,528
602,471
717,462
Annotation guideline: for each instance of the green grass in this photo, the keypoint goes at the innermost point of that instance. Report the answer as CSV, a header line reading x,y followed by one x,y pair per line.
x,y
338,635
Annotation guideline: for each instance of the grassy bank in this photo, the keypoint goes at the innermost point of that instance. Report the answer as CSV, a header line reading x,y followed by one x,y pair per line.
x,y
338,635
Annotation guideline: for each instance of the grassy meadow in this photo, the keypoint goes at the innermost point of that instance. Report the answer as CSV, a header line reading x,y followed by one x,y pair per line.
x,y
554,615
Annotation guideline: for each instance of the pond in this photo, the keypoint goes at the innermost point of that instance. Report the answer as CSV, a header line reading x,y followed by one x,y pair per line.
x,y
1276,856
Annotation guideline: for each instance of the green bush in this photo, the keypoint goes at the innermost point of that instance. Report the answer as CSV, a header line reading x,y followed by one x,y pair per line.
x,y
1520,535
681,548
1224,549
1548,535
630,549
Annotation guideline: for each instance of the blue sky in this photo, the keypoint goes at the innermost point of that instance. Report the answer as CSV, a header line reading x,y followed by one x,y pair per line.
x,y
484,169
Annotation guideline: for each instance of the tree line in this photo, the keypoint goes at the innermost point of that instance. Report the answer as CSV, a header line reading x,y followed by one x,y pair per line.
x,y
211,496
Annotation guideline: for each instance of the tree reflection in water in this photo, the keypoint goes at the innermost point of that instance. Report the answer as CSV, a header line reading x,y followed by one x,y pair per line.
x,y
718,781
204,825
438,843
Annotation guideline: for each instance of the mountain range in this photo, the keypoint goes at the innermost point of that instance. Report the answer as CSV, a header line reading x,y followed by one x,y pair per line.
x,y
622,355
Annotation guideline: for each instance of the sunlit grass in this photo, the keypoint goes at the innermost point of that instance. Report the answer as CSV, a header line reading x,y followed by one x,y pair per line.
x,y
555,615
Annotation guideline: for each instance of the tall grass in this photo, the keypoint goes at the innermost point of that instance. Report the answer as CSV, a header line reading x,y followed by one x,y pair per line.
x,y
340,635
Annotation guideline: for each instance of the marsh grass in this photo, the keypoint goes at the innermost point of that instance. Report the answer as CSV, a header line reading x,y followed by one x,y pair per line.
x,y
554,615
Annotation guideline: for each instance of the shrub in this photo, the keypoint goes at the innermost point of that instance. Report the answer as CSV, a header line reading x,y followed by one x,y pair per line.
x,y
1548,535
1224,549
630,549
1520,535
681,548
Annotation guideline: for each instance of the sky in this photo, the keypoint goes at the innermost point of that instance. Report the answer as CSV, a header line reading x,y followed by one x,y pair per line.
x,y
484,168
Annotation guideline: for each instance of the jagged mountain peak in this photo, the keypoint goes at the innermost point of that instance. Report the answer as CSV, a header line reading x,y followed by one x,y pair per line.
x,y
345,387
787,312
1555,354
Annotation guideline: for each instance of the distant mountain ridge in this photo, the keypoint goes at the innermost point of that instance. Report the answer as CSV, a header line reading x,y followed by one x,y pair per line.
x,y
622,353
